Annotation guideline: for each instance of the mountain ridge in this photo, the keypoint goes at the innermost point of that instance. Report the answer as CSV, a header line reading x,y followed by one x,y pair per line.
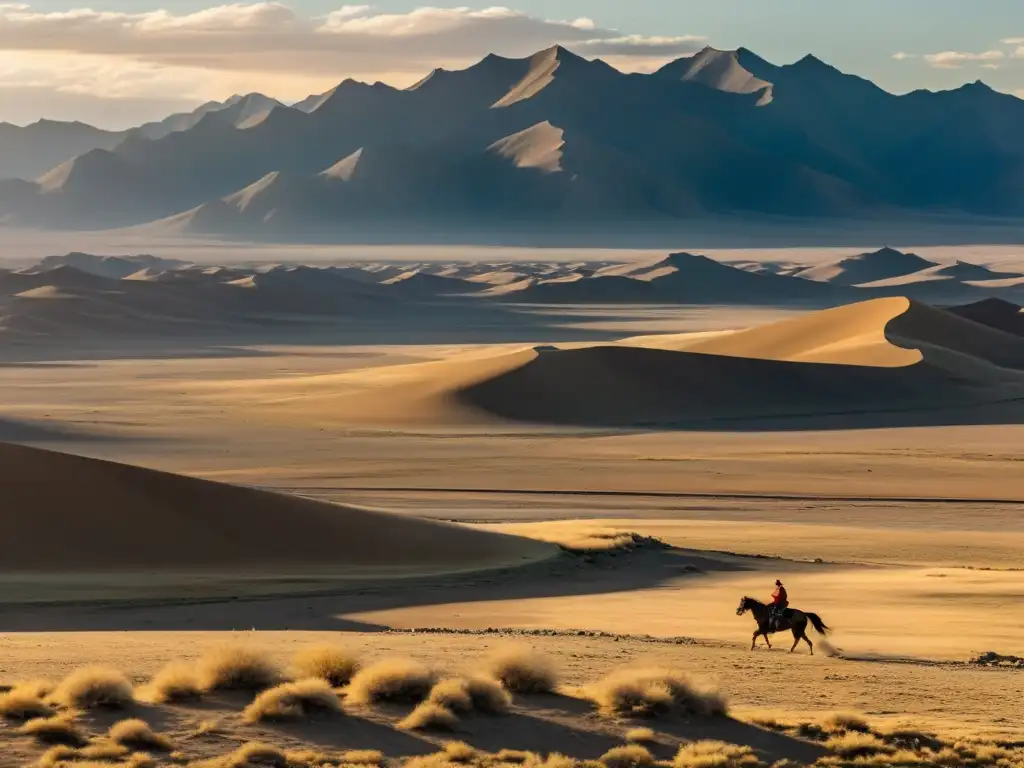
x,y
718,134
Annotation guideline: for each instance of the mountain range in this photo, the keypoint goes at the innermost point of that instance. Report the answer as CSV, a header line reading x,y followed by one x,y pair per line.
x,y
552,140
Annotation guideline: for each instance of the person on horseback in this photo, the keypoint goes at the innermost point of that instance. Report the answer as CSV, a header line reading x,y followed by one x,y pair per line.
x,y
780,599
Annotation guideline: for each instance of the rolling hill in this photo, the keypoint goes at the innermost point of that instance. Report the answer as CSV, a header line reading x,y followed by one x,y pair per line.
x,y
99,519
551,140
883,361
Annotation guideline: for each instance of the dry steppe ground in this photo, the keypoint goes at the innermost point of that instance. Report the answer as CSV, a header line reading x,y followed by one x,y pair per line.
x,y
906,540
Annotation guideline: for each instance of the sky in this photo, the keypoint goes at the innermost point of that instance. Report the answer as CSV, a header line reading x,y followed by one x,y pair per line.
x,y
118,63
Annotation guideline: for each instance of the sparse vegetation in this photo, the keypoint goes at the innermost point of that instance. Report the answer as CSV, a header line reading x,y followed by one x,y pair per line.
x,y
715,754
54,756
846,721
516,757
237,668
95,687
454,753
429,717
522,670
650,693
361,757
396,681
174,683
640,735
251,755
59,729
24,702
138,735
856,744
630,756
102,750
294,701
328,662
467,695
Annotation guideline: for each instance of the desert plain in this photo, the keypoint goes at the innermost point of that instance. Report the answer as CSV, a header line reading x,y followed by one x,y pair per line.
x,y
436,468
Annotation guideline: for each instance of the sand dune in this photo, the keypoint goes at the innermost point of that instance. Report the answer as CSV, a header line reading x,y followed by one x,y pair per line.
x,y
995,313
885,355
881,332
66,513
870,267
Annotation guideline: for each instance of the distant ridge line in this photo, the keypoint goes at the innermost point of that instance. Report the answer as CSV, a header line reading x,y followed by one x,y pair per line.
x,y
310,490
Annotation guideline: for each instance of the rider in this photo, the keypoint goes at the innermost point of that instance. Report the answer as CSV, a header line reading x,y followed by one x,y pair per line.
x,y
780,599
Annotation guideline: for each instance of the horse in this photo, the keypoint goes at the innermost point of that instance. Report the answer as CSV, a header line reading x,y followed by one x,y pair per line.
x,y
791,619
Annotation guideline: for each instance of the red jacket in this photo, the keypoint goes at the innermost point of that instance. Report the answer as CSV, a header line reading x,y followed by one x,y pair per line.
x,y
779,596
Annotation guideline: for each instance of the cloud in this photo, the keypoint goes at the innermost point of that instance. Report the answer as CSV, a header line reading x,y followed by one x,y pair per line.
x,y
903,56
272,36
161,58
1013,41
956,59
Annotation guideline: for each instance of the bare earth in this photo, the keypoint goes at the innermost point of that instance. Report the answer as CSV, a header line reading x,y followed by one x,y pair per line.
x,y
906,540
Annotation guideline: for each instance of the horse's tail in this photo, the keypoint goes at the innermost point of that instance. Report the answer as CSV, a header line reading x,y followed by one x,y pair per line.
x,y
819,625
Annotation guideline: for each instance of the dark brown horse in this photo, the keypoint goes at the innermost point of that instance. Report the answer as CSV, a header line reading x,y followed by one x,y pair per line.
x,y
791,619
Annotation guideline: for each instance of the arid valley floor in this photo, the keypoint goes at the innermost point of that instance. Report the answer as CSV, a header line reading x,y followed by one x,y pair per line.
x,y
598,481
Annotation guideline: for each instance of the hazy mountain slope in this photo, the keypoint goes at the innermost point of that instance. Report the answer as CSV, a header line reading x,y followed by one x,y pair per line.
x,y
30,151
551,138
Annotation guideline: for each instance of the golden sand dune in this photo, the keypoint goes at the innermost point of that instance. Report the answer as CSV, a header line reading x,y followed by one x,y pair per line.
x,y
882,332
885,355
66,513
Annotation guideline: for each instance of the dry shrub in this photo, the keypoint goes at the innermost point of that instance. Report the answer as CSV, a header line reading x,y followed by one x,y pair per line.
x,y
391,681
55,756
810,731
102,751
306,757
454,753
649,693
136,734
250,755
429,717
640,735
95,687
54,730
517,757
24,702
294,701
142,760
467,695
909,738
846,721
715,754
328,662
857,744
361,757
237,668
175,682
522,670
556,760
627,757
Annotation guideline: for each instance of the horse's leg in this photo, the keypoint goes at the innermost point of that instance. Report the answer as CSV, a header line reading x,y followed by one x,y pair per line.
x,y
766,639
796,638
809,643
753,640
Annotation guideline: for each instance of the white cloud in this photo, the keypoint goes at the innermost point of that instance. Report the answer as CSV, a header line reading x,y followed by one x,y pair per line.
x,y
272,36
1013,41
162,56
956,59
903,56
